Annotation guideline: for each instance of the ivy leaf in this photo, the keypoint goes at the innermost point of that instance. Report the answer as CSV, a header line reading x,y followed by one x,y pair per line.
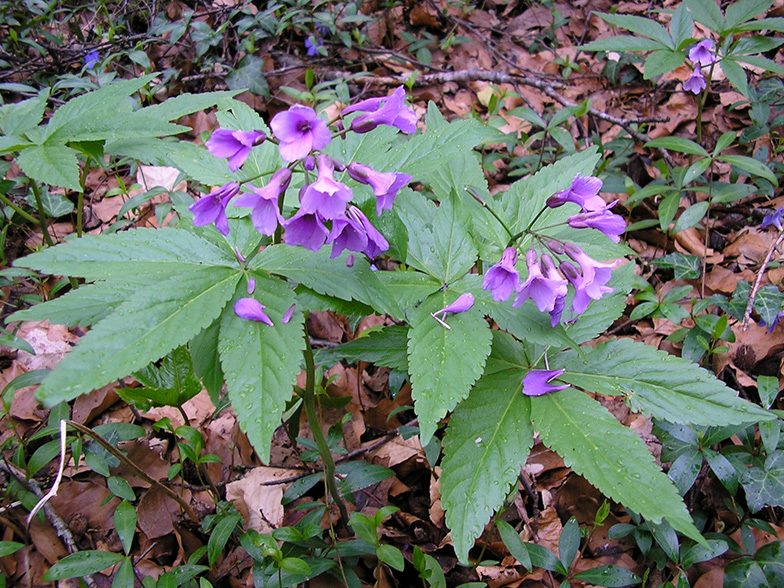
x,y
439,242
686,267
609,456
260,362
444,363
143,329
768,303
485,445
134,253
656,383
765,487
328,276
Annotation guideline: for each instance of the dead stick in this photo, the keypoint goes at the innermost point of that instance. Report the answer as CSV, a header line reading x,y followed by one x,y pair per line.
x,y
758,280
136,470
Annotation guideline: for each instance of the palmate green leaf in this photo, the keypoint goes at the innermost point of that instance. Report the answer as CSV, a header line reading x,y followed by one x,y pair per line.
x,y
383,347
84,307
485,445
174,108
260,362
328,276
436,146
134,253
143,329
739,12
661,62
641,26
200,165
609,456
439,243
656,383
51,163
525,198
408,288
18,117
736,75
623,43
444,363
206,361
706,12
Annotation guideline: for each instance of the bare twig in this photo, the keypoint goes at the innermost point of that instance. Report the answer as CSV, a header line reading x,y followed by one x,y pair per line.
x,y
758,280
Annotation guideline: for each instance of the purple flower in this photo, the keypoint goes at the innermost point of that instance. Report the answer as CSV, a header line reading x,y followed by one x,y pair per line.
x,y
605,221
299,131
391,111
537,382
235,145
252,310
774,220
542,289
305,229
502,278
312,44
696,82
583,191
591,284
91,59
263,202
325,196
463,303
703,53
560,300
385,185
353,231
772,325
212,208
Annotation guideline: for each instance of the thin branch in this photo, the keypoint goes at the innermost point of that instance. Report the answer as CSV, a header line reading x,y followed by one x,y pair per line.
x,y
758,280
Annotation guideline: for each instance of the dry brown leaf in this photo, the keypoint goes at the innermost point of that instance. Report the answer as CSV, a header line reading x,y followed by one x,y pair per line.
x,y
260,505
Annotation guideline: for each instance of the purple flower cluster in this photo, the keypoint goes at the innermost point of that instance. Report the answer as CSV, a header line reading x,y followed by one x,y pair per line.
x,y
548,281
702,54
325,215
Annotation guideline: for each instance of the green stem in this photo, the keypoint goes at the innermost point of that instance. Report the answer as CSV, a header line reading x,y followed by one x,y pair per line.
x,y
80,199
19,210
309,402
701,103
41,213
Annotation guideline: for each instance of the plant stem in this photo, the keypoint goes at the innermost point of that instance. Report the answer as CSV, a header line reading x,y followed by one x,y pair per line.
x,y
41,213
309,402
80,199
19,210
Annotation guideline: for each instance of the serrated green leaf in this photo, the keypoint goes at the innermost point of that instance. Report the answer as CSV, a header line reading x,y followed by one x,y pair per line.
x,y
408,288
260,362
52,163
200,165
18,117
765,487
206,360
681,25
739,12
656,383
641,26
736,75
81,563
179,106
763,24
436,146
141,330
439,243
486,443
444,363
327,276
708,13
384,347
661,62
526,198
623,43
610,456
129,255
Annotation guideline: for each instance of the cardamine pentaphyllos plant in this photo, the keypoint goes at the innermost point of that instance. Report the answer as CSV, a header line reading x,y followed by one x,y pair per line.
x,y
289,231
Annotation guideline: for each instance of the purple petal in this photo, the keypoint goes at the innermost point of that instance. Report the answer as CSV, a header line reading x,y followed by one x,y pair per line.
x,y
537,382
252,310
463,303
